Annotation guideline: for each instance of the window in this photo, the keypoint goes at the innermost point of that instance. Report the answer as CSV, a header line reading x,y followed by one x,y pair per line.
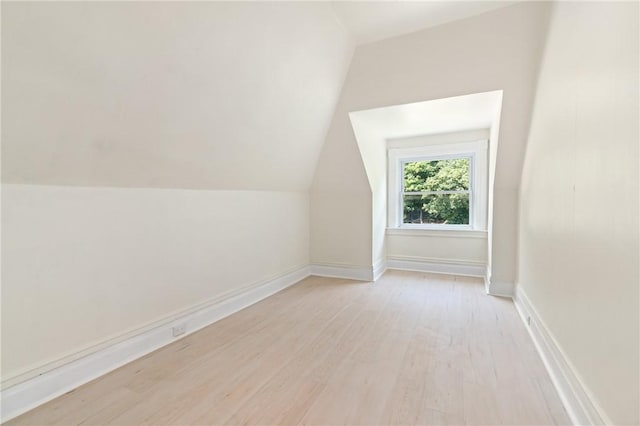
x,y
438,187
436,191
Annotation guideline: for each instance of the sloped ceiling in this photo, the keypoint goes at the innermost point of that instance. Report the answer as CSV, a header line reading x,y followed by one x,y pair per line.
x,y
370,21
169,94
454,114
212,95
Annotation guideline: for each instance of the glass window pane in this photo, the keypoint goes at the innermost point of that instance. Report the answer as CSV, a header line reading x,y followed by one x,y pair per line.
x,y
436,175
449,209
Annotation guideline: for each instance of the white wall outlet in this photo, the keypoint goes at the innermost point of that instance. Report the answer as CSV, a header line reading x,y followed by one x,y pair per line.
x,y
179,330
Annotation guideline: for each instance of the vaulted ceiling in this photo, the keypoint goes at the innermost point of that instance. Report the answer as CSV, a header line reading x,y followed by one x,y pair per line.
x,y
370,21
169,94
214,95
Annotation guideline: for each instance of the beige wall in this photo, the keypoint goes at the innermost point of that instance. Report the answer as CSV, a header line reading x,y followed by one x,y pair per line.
x,y
494,51
434,246
334,211
371,145
105,99
85,265
206,95
341,202
578,256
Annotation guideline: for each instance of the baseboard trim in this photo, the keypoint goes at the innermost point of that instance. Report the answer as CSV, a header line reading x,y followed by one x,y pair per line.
x,y
438,266
350,272
379,268
576,398
22,397
347,272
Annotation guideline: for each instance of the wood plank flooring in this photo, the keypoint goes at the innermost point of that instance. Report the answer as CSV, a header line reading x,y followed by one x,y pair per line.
x,y
412,348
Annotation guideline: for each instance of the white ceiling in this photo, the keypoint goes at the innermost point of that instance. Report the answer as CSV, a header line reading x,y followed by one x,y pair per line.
x,y
370,21
212,95
215,95
459,113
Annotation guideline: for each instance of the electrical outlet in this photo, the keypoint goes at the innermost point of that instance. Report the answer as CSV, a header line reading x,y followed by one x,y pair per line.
x,y
179,330
529,321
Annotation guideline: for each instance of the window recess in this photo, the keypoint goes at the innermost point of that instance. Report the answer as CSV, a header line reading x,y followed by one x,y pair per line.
x,y
438,187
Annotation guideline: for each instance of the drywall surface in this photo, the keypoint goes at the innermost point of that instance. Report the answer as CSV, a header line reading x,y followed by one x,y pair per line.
x,y
497,50
434,246
205,95
372,21
85,265
578,257
332,212
494,135
341,202
371,144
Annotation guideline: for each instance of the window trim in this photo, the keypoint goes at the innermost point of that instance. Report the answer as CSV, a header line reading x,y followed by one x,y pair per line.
x,y
478,182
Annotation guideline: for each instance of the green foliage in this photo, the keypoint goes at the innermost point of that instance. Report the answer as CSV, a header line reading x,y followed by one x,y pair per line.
x,y
437,175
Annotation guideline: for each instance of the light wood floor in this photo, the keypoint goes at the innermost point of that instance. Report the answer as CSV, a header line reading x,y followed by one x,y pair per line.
x,y
412,348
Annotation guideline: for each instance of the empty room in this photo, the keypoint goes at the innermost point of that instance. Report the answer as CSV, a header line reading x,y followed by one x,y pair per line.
x,y
320,213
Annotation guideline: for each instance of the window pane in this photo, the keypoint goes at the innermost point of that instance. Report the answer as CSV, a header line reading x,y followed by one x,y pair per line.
x,y
437,175
450,209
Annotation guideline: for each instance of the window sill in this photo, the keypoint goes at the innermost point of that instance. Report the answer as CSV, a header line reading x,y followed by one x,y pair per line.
x,y
447,233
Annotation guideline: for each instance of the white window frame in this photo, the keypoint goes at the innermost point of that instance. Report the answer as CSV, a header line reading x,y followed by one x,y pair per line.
x,y
476,151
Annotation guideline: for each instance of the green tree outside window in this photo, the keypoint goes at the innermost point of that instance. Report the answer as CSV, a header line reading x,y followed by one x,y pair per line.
x,y
436,191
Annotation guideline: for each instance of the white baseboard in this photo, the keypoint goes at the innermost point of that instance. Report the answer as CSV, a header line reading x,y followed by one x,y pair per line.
x,y
348,272
487,278
379,269
35,391
438,266
576,398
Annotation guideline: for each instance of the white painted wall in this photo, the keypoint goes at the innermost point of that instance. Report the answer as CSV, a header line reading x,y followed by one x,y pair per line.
x,y
497,50
341,222
83,266
335,210
208,95
438,247
372,146
101,103
578,256
494,136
